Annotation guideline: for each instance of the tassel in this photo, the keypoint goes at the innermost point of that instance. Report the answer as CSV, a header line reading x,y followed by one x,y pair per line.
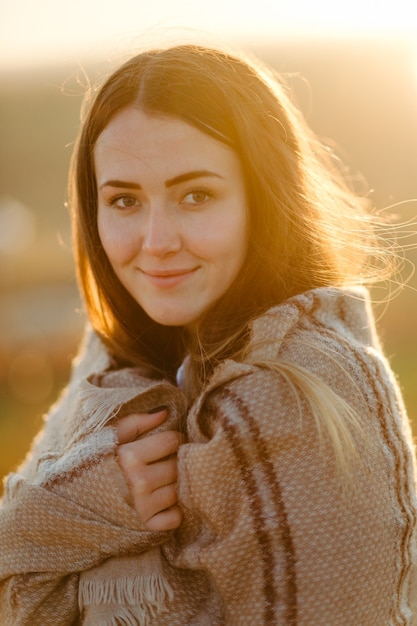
x,y
99,406
152,589
136,599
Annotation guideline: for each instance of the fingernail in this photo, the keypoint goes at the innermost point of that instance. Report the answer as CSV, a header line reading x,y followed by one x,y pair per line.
x,y
158,409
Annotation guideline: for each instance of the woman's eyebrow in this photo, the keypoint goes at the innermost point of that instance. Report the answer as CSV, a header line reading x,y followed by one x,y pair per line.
x,y
123,184
181,178
190,176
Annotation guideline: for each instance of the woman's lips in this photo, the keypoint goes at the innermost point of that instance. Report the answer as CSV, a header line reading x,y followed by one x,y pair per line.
x,y
168,278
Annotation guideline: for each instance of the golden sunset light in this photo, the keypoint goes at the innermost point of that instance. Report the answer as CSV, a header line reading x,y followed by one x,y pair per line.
x,y
46,31
350,67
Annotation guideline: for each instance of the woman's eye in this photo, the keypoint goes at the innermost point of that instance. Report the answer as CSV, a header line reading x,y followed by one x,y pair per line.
x,y
197,196
124,202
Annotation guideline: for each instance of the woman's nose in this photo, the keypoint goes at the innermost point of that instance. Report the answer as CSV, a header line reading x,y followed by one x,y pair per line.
x,y
161,236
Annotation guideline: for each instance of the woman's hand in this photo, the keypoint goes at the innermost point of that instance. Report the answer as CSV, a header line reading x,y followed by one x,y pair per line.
x,y
150,468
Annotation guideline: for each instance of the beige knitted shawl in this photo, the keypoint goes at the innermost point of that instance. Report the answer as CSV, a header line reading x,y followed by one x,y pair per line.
x,y
269,535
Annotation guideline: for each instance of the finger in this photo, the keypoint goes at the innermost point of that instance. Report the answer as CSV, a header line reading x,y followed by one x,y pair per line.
x,y
153,477
165,520
149,450
150,505
133,426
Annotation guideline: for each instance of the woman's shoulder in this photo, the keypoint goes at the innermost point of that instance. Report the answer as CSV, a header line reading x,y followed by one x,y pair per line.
x,y
317,335
315,353
345,314
309,330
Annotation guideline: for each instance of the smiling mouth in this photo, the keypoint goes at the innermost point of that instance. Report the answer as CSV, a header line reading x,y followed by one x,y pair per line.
x,y
168,278
167,273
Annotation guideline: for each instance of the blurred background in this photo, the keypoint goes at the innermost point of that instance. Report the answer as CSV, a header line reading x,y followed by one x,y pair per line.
x,y
353,72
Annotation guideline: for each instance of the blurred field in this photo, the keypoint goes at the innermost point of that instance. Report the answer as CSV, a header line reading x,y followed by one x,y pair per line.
x,y
361,94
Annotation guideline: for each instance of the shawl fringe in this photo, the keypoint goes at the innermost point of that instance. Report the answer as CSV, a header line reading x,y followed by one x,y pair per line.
x,y
139,598
102,405
102,397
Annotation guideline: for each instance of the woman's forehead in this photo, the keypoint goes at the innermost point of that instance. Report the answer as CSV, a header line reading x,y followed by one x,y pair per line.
x,y
135,142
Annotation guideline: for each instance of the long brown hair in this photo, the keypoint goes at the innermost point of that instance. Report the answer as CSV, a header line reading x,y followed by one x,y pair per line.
x,y
306,229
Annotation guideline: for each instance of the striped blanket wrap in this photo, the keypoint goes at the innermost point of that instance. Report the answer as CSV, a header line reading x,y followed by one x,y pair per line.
x,y
269,536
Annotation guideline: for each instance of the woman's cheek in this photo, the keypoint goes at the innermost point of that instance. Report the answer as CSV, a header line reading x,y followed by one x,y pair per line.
x,y
120,241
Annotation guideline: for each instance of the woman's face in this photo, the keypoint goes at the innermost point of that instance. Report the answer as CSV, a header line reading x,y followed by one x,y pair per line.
x,y
172,214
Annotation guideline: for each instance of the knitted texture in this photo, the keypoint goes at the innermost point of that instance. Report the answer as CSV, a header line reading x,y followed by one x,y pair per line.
x,y
269,536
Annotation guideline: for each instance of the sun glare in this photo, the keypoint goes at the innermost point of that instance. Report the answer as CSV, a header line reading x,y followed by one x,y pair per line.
x,y
46,30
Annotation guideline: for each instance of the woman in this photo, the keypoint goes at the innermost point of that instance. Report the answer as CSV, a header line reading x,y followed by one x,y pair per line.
x,y
232,447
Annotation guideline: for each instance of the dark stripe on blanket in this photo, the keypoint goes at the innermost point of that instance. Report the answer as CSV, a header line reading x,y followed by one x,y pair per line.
x,y
265,541
371,371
